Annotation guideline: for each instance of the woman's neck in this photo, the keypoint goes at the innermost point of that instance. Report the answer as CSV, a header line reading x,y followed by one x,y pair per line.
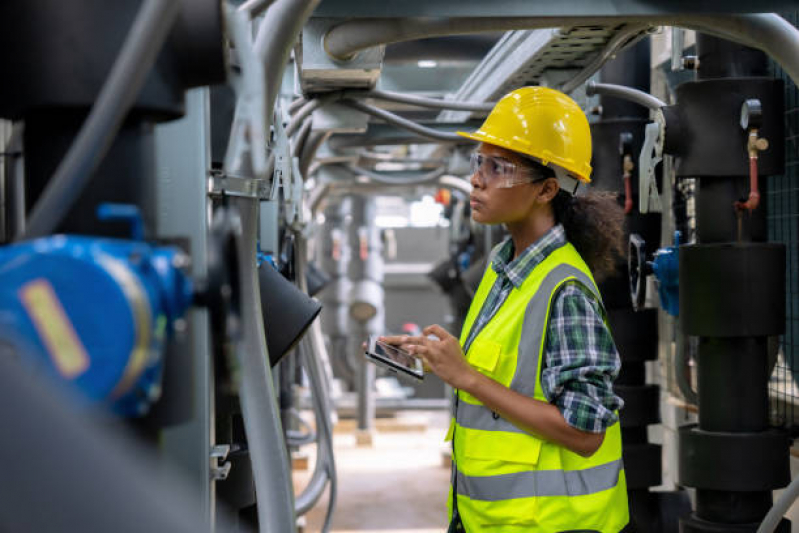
x,y
526,232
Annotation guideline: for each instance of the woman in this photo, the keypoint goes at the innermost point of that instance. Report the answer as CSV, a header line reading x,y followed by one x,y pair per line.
x,y
536,439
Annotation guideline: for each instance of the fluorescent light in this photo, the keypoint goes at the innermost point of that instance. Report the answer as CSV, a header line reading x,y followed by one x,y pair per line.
x,y
427,63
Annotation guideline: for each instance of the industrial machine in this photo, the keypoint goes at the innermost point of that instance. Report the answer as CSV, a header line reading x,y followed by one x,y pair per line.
x,y
191,253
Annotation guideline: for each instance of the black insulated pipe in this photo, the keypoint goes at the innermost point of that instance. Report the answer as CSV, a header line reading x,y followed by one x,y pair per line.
x,y
732,291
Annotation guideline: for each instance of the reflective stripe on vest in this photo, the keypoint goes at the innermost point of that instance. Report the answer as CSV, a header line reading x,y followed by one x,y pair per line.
x,y
531,483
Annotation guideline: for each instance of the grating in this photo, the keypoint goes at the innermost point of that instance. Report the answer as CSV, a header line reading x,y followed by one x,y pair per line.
x,y
523,57
783,227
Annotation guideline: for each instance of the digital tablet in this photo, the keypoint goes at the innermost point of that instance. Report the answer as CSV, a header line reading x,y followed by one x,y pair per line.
x,y
394,359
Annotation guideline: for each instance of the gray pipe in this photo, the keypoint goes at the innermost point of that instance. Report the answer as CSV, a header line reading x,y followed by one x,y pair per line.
x,y
273,484
768,32
420,101
396,180
302,137
302,114
630,34
781,506
325,469
309,150
131,68
273,44
625,93
255,7
296,104
404,123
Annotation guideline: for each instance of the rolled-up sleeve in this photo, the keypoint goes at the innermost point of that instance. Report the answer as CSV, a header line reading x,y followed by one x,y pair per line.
x,y
581,361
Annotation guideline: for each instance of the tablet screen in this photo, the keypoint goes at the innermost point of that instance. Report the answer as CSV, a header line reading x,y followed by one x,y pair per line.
x,y
395,358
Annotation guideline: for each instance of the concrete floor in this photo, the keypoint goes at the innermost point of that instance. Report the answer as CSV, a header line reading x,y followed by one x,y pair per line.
x,y
398,485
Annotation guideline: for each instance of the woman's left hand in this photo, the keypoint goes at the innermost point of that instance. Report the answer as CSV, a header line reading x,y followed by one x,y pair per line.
x,y
443,356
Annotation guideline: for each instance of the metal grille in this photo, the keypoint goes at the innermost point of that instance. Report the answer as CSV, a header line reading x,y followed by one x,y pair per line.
x,y
783,227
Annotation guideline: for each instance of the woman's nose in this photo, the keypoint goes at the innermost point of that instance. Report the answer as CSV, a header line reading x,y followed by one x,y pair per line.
x,y
476,180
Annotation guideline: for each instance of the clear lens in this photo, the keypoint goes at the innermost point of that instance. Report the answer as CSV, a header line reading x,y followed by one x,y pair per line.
x,y
500,173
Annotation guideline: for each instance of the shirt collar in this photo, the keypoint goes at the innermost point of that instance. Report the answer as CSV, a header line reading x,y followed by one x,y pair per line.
x,y
517,269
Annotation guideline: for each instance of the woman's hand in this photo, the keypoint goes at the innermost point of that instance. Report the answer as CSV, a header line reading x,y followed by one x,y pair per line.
x,y
443,356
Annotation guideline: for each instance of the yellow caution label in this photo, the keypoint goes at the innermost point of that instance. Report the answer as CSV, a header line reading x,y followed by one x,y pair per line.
x,y
54,327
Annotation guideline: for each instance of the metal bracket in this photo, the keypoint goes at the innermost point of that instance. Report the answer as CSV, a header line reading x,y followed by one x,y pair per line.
x,y
220,184
220,453
651,155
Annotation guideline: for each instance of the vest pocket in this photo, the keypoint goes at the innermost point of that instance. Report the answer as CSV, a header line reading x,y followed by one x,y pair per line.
x,y
483,355
502,449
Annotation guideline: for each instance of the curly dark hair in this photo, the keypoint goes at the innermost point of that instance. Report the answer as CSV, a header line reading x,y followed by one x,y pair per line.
x,y
594,224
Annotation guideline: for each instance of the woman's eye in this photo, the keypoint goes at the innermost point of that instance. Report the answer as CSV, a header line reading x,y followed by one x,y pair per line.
x,y
494,167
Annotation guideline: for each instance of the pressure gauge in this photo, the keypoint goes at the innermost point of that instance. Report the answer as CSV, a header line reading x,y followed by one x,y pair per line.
x,y
751,114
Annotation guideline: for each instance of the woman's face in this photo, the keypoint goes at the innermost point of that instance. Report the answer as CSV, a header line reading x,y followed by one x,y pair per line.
x,y
493,204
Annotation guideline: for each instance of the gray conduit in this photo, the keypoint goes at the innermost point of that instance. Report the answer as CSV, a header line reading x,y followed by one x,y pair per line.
x,y
270,468
420,101
276,36
255,7
312,356
298,119
312,146
397,180
296,104
302,136
404,123
625,93
128,74
627,36
781,506
768,32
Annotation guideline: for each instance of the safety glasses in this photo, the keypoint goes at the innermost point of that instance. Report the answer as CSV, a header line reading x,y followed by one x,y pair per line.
x,y
501,173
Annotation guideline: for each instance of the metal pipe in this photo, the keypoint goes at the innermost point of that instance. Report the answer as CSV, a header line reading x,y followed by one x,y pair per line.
x,y
302,137
312,145
420,101
768,32
312,358
296,104
255,7
388,158
128,74
397,180
626,93
627,36
273,485
404,123
273,44
300,116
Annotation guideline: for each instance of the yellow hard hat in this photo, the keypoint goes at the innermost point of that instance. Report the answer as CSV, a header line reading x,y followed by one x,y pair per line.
x,y
542,123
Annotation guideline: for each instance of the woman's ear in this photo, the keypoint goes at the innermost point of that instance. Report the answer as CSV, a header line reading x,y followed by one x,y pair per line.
x,y
549,189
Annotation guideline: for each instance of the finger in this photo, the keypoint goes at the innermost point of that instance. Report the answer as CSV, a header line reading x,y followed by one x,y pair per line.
x,y
418,350
393,339
436,330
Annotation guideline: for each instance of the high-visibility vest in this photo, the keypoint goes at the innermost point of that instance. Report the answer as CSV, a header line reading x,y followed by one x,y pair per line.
x,y
507,479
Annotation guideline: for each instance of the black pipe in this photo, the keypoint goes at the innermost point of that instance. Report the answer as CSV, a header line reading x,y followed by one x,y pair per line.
x,y
732,288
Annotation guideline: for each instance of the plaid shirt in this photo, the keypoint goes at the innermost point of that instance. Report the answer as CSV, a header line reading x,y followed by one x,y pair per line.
x,y
580,357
